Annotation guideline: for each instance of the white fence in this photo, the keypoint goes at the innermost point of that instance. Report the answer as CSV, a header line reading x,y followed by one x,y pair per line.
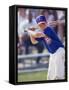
x,y
32,56
36,67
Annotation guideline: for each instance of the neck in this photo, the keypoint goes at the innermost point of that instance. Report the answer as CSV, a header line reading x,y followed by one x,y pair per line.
x,y
44,27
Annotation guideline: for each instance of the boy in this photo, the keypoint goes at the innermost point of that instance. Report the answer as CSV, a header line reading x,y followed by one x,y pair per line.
x,y
54,46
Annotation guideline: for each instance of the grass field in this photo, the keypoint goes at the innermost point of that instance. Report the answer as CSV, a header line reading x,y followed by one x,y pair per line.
x,y
33,76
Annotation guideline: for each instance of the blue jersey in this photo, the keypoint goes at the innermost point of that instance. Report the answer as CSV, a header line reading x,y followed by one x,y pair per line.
x,y
51,40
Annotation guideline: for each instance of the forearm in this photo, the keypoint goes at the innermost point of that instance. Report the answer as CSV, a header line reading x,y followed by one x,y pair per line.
x,y
33,40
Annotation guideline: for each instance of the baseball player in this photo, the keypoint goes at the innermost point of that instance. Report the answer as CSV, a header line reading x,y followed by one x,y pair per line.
x,y
55,47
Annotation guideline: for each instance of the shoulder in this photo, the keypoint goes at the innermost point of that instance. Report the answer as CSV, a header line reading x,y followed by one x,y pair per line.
x,y
48,30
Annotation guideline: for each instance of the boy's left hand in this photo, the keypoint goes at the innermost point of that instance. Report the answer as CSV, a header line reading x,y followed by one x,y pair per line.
x,y
39,34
